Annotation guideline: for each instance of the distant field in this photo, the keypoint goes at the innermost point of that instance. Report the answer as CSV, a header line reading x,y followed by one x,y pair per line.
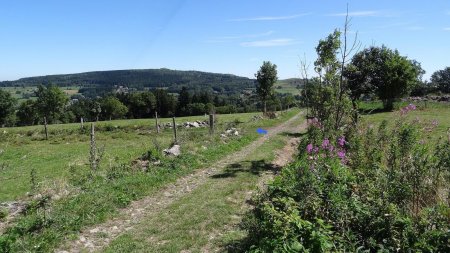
x,y
425,112
23,93
24,148
288,86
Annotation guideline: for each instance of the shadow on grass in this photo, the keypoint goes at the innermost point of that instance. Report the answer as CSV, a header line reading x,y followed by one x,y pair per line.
x,y
251,167
373,111
292,135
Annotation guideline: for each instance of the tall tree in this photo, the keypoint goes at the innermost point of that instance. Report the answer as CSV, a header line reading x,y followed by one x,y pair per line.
x,y
50,102
441,79
384,72
112,108
7,107
27,113
266,77
184,98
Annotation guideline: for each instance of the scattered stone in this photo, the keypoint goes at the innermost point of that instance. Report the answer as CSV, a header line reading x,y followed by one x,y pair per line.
x,y
236,133
174,150
94,231
82,239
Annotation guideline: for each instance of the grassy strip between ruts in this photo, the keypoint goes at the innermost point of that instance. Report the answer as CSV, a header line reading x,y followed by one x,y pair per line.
x,y
204,220
95,197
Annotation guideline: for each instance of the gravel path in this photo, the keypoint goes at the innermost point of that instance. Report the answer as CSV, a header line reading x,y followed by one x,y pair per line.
x,y
97,237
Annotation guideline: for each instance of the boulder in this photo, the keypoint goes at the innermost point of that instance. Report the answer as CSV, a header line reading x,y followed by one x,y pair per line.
x,y
174,150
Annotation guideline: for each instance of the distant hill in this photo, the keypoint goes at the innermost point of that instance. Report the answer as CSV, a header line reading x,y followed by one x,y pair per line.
x,y
291,85
100,82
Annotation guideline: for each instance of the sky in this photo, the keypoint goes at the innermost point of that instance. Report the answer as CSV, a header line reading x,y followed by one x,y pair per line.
x,y
222,36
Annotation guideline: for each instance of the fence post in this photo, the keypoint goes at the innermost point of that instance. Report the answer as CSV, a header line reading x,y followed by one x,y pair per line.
x,y
46,128
157,125
93,151
211,124
82,123
174,130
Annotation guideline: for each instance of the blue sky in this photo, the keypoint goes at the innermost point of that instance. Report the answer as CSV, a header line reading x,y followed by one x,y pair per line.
x,y
55,37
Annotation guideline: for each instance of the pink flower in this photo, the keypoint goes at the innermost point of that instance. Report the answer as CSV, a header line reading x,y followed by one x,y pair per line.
x,y
341,141
411,107
341,154
434,123
309,148
325,143
331,148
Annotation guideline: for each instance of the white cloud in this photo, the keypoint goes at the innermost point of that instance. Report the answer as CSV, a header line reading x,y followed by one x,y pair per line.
x,y
271,18
446,28
269,43
357,14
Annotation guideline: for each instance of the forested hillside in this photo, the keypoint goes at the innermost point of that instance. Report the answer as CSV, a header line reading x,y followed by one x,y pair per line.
x,y
100,82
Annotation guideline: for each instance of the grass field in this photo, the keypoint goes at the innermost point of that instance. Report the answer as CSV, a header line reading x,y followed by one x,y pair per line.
x,y
426,113
288,86
25,148
22,93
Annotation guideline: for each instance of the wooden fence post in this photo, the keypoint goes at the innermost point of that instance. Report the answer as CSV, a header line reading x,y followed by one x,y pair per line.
x,y
93,151
46,128
82,123
157,125
174,125
211,124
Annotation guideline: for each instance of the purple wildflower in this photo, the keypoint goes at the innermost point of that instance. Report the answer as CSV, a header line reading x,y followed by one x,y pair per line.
x,y
434,123
316,149
411,107
331,148
325,143
341,154
309,148
341,141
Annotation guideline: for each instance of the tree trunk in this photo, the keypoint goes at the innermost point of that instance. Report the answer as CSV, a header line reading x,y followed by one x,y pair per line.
x,y
388,104
265,107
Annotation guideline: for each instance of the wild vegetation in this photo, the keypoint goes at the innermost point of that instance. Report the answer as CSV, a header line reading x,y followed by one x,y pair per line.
x,y
75,196
358,187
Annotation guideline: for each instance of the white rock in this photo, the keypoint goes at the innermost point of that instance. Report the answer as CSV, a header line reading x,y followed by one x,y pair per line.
x,y
236,133
174,150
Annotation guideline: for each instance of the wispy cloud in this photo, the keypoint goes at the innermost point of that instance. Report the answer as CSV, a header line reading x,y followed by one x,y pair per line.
x,y
269,43
270,18
357,14
447,29
447,12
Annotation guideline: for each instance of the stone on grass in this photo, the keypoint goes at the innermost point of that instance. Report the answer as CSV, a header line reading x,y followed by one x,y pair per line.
x,y
174,150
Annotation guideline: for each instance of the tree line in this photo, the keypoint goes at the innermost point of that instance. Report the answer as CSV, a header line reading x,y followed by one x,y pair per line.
x,y
53,104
